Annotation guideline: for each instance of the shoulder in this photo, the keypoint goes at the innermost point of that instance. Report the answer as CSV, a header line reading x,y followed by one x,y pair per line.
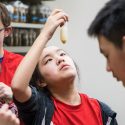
x,y
103,106
39,94
11,54
89,99
107,109
90,102
108,115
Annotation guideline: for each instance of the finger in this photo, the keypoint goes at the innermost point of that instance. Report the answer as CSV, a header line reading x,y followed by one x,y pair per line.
x,y
2,95
4,108
17,121
61,22
1,87
2,84
1,91
14,119
9,113
60,12
61,15
59,19
55,11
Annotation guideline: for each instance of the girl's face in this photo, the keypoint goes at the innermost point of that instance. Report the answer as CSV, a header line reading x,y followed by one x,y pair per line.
x,y
56,66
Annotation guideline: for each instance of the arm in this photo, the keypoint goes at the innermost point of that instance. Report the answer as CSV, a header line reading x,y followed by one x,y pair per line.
x,y
20,82
7,117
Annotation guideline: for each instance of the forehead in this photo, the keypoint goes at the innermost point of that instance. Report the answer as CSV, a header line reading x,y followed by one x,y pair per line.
x,y
49,50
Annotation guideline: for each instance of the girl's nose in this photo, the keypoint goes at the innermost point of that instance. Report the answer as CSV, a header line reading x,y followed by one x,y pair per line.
x,y
60,60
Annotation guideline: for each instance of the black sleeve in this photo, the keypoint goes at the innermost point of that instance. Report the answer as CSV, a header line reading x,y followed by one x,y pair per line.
x,y
28,109
108,115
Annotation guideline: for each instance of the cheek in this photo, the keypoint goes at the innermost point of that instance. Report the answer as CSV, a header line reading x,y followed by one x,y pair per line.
x,y
114,63
118,64
49,70
72,64
50,74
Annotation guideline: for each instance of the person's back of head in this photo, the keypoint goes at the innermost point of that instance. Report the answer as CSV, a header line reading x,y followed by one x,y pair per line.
x,y
110,22
4,15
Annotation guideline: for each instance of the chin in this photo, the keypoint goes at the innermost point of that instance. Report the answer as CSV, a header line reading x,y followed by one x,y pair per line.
x,y
70,75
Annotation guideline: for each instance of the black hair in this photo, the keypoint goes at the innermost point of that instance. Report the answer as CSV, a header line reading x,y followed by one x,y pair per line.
x,y
110,22
36,77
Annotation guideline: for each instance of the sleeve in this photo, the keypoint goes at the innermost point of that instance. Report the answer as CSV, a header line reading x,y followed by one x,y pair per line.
x,y
28,109
108,115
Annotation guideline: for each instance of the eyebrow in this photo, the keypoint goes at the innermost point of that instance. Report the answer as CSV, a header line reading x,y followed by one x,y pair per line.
x,y
58,50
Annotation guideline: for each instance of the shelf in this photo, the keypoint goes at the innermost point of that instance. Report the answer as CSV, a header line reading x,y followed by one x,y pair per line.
x,y
24,26
16,49
27,25
30,2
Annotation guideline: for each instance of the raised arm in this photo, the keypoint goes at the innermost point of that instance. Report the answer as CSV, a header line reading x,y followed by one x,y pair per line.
x,y
20,82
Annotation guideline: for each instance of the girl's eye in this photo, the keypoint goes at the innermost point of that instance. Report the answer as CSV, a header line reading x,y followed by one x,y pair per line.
x,y
48,60
62,54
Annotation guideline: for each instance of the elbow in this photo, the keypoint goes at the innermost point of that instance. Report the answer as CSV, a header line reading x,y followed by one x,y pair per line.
x,y
15,87
21,93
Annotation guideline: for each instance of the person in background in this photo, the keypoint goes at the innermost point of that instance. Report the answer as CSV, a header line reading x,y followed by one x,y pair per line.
x,y
109,28
44,85
7,117
8,61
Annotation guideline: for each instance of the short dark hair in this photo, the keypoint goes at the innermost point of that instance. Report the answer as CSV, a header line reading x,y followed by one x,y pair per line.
x,y
110,22
4,15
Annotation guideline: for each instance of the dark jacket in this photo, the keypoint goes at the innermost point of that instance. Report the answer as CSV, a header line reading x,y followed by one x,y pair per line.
x,y
40,108
108,115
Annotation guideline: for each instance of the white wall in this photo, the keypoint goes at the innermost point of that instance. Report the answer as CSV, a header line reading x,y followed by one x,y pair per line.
x,y
95,81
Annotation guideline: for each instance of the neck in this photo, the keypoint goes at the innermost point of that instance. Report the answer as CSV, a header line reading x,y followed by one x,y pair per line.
x,y
68,95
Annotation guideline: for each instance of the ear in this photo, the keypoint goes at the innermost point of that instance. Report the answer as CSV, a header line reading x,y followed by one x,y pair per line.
x,y
8,31
42,84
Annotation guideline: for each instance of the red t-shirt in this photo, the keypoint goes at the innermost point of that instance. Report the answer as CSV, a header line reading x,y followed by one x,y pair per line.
x,y
87,113
9,65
